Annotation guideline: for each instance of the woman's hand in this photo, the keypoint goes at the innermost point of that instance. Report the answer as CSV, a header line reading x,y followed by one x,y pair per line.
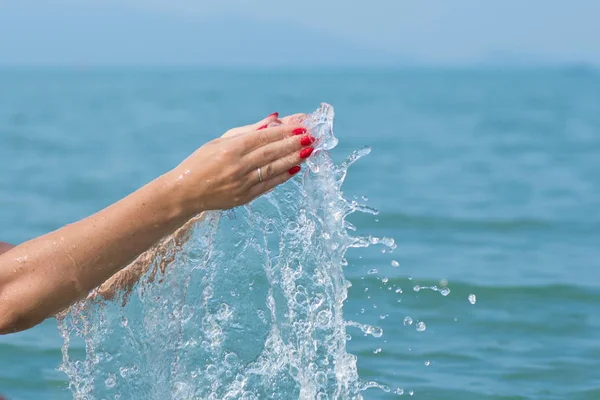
x,y
224,173
125,280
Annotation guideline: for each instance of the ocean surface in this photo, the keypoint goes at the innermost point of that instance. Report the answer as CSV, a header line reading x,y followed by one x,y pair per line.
x,y
488,180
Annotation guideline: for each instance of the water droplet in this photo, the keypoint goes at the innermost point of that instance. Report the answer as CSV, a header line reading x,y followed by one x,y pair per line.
x,y
455,319
398,290
411,392
365,198
323,318
374,331
292,226
269,228
410,277
382,316
395,264
384,280
373,271
231,359
294,371
417,288
472,299
408,321
445,291
427,363
421,326
110,382
211,370
321,378
389,242
377,350
399,391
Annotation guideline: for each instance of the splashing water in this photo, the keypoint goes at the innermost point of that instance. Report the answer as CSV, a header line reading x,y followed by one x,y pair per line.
x,y
248,305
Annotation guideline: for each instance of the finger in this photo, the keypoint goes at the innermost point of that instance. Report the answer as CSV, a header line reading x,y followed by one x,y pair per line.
x,y
260,138
270,184
252,127
280,165
263,122
297,147
293,119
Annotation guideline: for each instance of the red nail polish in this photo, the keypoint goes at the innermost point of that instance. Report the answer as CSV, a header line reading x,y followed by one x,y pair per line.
x,y
294,170
305,153
299,131
262,127
307,140
275,114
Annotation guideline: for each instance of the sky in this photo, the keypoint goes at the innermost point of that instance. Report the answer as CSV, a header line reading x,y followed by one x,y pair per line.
x,y
328,32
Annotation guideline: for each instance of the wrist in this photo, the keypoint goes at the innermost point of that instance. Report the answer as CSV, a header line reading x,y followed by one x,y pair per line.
x,y
178,196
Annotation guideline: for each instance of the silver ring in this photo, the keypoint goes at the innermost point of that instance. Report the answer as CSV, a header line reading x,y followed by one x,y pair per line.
x,y
260,177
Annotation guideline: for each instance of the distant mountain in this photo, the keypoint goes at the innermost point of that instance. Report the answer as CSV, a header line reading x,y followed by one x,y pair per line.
x,y
50,34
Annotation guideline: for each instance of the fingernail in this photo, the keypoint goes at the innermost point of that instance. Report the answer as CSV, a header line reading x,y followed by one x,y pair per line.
x,y
294,170
306,140
275,114
262,127
305,153
299,131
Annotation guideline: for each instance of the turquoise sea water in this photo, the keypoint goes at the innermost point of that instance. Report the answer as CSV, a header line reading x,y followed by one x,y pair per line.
x,y
488,180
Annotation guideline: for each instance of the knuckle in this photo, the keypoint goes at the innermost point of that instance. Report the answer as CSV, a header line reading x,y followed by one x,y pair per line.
x,y
216,142
291,160
236,171
228,133
269,170
267,153
263,138
222,155
293,144
229,155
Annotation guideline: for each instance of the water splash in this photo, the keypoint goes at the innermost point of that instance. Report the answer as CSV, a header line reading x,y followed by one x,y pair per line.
x,y
245,307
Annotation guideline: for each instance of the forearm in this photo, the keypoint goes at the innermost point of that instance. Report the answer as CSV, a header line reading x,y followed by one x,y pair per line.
x,y
123,281
47,274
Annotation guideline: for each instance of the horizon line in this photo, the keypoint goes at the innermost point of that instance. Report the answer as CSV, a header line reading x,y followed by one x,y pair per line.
x,y
284,66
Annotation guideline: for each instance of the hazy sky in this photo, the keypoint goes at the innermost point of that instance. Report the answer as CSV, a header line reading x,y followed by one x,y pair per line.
x,y
430,31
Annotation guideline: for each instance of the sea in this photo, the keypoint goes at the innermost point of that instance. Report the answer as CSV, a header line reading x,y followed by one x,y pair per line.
x,y
487,180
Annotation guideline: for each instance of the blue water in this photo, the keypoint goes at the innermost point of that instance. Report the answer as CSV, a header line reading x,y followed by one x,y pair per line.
x,y
487,179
